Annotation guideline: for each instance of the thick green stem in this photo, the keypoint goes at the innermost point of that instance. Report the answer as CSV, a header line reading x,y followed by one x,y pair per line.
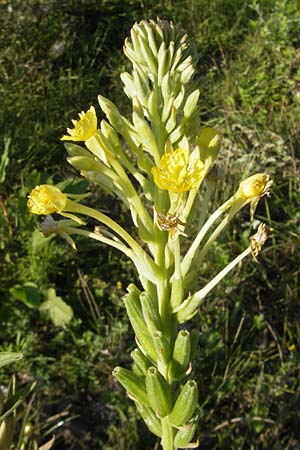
x,y
167,440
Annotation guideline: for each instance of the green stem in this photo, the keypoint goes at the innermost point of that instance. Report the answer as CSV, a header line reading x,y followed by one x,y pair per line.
x,y
167,440
187,260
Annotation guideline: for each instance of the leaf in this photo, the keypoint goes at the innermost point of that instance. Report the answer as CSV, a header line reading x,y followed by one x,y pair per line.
x,y
15,400
28,294
59,312
4,160
9,357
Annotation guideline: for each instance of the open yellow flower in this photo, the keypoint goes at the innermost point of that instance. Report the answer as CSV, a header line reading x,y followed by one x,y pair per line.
x,y
177,173
46,199
84,128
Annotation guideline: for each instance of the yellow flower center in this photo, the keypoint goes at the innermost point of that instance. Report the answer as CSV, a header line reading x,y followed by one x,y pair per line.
x,y
257,185
46,199
84,128
176,173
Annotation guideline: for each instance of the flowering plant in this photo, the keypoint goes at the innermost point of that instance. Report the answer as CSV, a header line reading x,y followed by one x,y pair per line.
x,y
155,164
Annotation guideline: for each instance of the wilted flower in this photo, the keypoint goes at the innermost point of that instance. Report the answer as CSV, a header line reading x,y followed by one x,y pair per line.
x,y
177,173
84,128
258,239
257,185
252,189
46,199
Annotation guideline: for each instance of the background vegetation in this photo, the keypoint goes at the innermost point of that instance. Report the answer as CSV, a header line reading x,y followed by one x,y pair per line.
x,y
56,56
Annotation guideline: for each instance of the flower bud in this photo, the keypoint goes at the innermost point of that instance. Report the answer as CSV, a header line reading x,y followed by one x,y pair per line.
x,y
150,312
209,142
162,347
134,385
158,392
181,355
185,404
150,419
134,311
185,434
140,360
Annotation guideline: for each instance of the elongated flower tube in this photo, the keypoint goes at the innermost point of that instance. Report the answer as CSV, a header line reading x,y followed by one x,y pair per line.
x,y
84,128
177,173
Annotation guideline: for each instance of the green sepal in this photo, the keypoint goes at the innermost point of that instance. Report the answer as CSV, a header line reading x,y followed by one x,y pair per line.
x,y
185,434
181,356
158,392
141,361
134,385
134,311
150,312
150,419
185,404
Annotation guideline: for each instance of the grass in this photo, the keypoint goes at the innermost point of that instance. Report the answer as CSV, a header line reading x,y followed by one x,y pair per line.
x,y
56,57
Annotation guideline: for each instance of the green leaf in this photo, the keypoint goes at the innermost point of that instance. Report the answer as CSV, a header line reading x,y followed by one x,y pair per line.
x,y
9,357
15,400
4,160
59,312
28,294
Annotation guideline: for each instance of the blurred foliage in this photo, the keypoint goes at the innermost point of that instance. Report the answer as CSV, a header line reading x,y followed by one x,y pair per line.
x,y
55,58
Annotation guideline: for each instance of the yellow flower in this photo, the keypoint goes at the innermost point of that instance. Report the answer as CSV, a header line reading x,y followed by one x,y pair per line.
x,y
251,190
176,173
46,199
257,185
84,128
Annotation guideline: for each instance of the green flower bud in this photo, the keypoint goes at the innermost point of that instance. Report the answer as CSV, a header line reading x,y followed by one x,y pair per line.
x,y
134,311
150,312
184,436
162,348
181,355
150,419
185,404
76,150
134,385
158,392
140,360
209,142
